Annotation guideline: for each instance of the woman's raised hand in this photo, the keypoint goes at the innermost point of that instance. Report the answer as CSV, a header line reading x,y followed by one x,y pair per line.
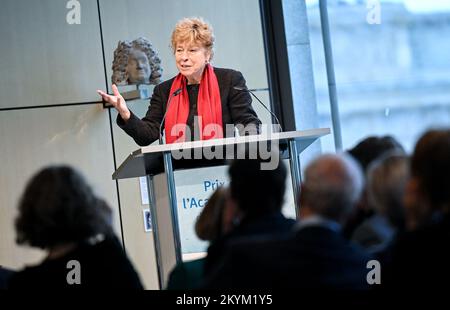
x,y
116,101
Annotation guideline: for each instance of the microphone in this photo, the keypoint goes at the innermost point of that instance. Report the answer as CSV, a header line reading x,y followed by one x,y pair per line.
x,y
175,93
273,114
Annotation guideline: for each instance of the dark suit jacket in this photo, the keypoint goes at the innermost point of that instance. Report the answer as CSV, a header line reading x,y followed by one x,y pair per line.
x,y
186,275
236,107
314,257
102,266
420,259
268,225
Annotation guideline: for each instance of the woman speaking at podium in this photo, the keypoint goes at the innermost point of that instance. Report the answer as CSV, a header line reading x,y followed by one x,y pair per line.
x,y
198,103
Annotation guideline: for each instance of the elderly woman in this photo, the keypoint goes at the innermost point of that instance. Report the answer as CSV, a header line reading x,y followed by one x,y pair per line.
x,y
59,213
200,101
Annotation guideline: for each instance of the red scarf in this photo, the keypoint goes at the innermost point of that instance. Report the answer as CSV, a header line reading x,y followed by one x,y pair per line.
x,y
209,107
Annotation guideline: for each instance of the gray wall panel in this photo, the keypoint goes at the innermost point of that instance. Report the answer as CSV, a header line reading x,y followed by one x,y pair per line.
x,y
30,139
43,59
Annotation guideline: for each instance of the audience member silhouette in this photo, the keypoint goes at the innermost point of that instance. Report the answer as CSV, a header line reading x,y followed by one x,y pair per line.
x,y
315,255
386,184
420,258
254,207
365,152
59,213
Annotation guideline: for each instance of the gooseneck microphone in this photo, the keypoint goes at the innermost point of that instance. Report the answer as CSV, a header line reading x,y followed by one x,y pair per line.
x,y
175,93
273,114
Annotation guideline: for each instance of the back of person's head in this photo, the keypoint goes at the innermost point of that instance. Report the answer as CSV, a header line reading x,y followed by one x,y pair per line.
x,y
386,183
430,167
256,190
332,186
209,224
371,148
58,207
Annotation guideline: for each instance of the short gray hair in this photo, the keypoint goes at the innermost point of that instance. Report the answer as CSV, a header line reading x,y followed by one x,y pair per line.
x,y
332,185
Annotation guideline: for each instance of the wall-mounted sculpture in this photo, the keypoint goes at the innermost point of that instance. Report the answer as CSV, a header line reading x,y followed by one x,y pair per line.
x,y
136,62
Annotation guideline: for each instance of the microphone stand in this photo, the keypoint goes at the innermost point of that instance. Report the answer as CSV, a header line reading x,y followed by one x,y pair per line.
x,y
265,107
175,93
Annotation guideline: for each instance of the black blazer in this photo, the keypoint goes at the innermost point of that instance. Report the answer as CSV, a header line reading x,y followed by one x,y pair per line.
x,y
420,260
236,107
314,257
274,224
102,266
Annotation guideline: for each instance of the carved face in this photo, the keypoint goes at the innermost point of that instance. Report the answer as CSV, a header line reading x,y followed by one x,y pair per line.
x,y
138,68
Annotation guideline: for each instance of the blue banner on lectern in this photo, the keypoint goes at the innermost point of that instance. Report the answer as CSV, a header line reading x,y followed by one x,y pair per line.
x,y
194,187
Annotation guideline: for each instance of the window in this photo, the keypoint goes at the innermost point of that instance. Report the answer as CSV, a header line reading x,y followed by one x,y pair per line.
x,y
392,74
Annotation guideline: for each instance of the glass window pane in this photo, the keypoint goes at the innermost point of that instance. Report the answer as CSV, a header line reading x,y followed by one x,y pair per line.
x,y
392,67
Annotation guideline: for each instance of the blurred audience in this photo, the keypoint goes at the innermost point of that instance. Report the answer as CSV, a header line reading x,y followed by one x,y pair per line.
x,y
59,213
401,216
315,254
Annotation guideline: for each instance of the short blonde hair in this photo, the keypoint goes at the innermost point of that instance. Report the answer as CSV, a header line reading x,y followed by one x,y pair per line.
x,y
193,30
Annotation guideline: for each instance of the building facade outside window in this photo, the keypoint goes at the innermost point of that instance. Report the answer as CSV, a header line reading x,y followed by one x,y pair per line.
x,y
392,72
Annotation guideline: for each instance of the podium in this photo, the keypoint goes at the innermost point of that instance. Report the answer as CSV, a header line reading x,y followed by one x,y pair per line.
x,y
158,164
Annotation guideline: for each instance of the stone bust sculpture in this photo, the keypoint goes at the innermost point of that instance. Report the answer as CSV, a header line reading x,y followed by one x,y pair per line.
x,y
136,62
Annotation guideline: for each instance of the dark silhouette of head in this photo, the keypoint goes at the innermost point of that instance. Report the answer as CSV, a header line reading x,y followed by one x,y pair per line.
x,y
430,167
331,187
257,191
209,224
371,148
58,207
